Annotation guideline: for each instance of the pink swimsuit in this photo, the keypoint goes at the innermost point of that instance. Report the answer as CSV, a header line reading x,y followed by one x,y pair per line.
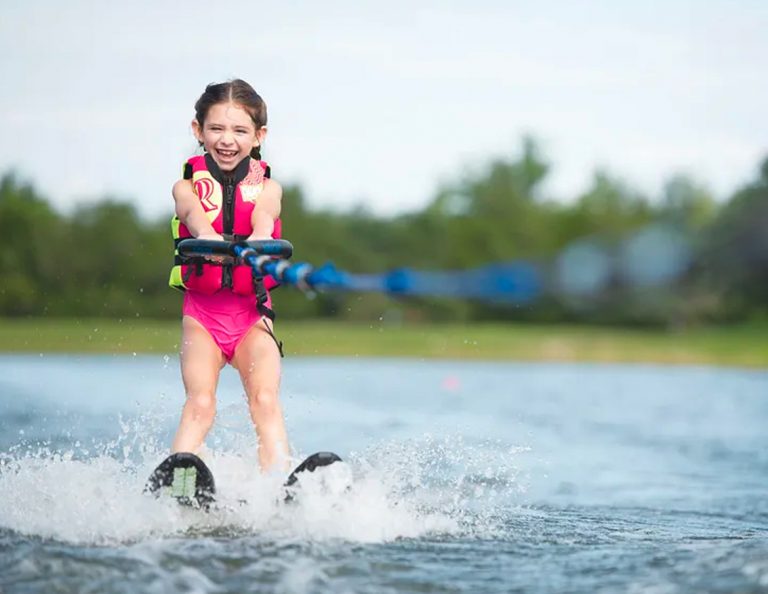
x,y
225,315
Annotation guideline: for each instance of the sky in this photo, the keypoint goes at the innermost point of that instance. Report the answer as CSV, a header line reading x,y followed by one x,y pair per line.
x,y
379,104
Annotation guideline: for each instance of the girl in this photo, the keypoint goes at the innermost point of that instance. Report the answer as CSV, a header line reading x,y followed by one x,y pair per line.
x,y
227,194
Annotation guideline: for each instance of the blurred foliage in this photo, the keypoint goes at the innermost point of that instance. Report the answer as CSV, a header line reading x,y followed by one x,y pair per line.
x,y
104,260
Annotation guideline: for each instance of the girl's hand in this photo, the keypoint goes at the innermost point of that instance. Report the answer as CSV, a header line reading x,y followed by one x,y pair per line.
x,y
212,236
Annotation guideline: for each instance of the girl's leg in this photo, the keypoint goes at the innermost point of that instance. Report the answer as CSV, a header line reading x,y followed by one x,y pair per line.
x,y
258,362
201,362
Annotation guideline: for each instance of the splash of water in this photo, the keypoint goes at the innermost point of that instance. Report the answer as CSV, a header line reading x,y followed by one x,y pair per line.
x,y
399,489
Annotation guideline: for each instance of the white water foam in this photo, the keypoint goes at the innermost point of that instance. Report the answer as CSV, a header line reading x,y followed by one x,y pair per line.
x,y
395,490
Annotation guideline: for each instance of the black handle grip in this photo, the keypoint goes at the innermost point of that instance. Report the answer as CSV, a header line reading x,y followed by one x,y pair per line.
x,y
278,248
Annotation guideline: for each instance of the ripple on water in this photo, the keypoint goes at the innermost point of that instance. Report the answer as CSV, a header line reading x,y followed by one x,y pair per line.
x,y
624,479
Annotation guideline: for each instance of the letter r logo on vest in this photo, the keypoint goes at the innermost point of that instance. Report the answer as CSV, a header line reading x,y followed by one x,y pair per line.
x,y
209,192
204,188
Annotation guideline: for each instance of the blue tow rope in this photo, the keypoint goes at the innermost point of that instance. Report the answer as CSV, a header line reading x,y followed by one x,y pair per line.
x,y
514,283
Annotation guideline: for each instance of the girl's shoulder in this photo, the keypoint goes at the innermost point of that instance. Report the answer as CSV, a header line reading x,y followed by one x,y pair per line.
x,y
273,187
181,186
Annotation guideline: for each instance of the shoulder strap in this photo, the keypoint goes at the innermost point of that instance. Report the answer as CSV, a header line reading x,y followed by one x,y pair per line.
x,y
194,162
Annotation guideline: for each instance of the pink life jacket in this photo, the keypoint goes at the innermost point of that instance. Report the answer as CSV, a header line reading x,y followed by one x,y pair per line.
x,y
228,201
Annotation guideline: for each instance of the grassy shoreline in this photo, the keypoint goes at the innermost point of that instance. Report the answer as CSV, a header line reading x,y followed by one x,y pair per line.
x,y
742,346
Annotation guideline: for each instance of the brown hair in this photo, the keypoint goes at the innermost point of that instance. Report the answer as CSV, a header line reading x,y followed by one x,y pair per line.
x,y
237,91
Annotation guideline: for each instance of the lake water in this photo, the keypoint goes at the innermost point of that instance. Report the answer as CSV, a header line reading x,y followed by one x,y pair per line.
x,y
466,477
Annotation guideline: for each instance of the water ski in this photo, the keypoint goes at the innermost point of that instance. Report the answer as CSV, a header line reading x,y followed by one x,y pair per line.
x,y
310,464
185,477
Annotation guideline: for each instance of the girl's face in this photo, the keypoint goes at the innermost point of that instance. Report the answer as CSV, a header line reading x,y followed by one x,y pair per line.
x,y
228,134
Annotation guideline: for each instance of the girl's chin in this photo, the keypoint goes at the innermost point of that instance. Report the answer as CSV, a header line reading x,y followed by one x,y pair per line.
x,y
225,164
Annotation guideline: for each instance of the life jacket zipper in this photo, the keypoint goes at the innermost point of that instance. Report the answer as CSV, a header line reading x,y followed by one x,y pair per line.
x,y
229,207
228,223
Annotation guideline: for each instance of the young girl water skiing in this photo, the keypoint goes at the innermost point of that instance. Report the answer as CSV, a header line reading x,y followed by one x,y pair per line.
x,y
226,193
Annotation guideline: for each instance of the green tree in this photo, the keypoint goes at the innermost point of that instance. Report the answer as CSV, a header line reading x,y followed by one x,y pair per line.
x,y
687,203
735,259
609,209
31,235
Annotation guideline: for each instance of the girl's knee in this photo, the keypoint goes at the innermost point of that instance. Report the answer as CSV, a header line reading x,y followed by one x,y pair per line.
x,y
202,405
263,401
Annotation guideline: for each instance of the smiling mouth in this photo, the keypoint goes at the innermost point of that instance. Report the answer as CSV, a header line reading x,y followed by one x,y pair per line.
x,y
226,154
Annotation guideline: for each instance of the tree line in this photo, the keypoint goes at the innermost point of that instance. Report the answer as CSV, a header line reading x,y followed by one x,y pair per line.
x,y
104,260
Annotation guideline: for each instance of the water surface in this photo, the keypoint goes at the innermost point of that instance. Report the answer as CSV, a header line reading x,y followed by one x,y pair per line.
x,y
466,477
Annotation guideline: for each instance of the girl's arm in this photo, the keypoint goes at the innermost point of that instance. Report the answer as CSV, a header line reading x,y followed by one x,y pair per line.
x,y
266,211
190,211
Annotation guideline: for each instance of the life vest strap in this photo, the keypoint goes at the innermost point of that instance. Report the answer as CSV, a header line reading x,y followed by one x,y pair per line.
x,y
279,343
267,312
